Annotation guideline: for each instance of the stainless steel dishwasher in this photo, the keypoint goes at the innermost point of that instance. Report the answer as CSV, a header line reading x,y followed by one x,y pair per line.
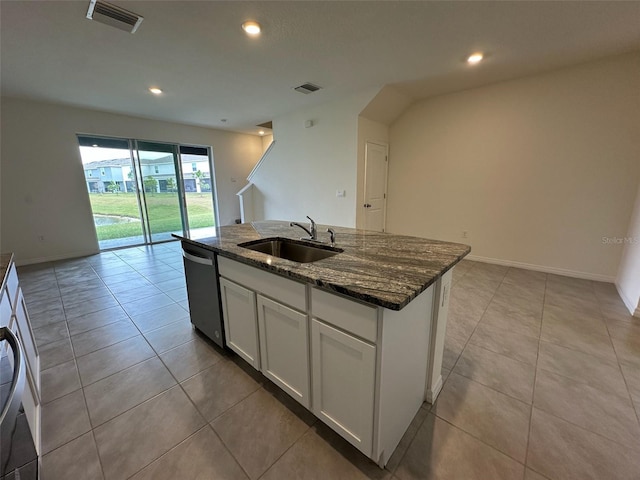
x,y
203,290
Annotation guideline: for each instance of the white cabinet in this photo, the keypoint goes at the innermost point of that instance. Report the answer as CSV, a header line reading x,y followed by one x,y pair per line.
x,y
359,368
13,314
438,328
265,324
5,309
25,334
240,321
284,348
343,371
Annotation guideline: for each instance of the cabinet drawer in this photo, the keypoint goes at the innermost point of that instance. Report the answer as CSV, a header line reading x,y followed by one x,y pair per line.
x,y
349,315
270,284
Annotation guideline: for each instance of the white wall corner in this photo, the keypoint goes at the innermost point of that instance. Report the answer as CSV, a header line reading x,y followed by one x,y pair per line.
x,y
388,104
302,173
496,162
260,162
628,278
245,196
633,308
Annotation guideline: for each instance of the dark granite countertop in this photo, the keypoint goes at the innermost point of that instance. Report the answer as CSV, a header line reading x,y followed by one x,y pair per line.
x,y
5,263
379,268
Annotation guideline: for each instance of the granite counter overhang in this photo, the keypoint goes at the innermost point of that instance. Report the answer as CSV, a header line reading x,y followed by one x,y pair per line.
x,y
378,268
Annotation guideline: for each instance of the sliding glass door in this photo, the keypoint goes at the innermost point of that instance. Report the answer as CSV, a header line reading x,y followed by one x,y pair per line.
x,y
141,192
162,192
197,178
111,179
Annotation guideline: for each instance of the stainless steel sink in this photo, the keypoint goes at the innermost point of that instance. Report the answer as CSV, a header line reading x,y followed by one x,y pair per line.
x,y
294,250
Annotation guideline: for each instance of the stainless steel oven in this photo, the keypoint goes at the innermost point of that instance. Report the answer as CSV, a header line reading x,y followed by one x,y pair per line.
x,y
18,457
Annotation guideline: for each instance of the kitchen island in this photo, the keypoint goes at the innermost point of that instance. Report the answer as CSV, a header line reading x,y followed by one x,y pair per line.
x,y
357,338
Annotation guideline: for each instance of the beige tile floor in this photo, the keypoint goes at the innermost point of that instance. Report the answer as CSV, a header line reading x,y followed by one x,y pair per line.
x,y
542,381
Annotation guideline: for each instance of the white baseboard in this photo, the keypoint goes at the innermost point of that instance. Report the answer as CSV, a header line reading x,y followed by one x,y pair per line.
x,y
55,258
633,308
434,391
542,268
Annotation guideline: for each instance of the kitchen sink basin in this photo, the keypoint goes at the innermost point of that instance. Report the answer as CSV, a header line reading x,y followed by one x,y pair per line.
x,y
294,250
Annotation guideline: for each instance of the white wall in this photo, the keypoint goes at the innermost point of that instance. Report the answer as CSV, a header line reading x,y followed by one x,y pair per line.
x,y
628,279
306,166
43,189
368,131
537,170
266,141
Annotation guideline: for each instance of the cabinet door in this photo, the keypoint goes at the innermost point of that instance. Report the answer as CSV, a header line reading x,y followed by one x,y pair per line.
x,y
284,348
31,396
5,308
343,369
240,321
28,340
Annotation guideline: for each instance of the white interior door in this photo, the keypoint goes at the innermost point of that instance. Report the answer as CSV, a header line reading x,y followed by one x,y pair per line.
x,y
375,186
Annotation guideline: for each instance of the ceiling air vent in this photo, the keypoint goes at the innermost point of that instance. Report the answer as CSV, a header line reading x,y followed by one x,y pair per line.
x,y
110,14
307,88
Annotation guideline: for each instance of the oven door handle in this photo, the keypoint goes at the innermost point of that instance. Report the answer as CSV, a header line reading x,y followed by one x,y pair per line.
x,y
14,400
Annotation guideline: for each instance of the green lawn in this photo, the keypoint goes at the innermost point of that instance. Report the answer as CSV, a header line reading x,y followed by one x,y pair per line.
x,y
163,208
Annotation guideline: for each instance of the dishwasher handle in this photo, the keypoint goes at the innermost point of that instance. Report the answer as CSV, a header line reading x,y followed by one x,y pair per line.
x,y
17,385
197,258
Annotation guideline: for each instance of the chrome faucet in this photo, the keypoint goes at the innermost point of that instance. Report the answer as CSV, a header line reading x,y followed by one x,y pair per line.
x,y
332,235
312,231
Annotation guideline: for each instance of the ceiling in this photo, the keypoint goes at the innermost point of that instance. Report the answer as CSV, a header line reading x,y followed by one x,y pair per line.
x,y
210,70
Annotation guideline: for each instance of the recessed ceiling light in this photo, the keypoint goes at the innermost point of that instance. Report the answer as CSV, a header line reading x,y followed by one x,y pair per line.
x,y
261,132
475,58
252,28
155,90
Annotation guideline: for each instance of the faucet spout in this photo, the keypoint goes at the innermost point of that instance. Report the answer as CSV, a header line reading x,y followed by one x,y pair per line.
x,y
296,224
312,231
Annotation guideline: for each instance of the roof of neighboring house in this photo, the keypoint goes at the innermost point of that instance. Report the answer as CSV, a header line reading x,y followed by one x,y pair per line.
x,y
116,162
122,162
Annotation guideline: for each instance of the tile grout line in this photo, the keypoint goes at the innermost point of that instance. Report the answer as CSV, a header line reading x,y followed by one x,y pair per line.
x,y
535,375
92,428
624,378
569,421
309,427
413,437
480,319
486,386
147,400
84,398
600,306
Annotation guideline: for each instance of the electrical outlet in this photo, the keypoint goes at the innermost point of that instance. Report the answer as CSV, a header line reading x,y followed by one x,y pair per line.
x,y
41,238
465,234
